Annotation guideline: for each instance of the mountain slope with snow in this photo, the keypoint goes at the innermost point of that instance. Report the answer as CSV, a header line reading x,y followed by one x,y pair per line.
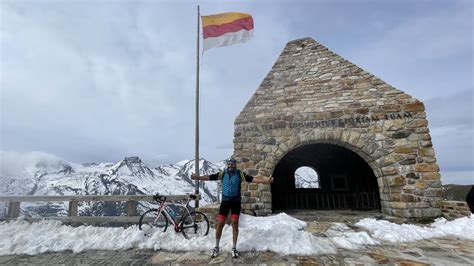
x,y
306,177
49,175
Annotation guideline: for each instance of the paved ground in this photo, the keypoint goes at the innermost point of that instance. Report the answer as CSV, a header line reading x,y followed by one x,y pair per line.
x,y
341,216
446,251
434,251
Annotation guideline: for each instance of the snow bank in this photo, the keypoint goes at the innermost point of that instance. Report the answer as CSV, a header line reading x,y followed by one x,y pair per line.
x,y
279,233
386,231
344,237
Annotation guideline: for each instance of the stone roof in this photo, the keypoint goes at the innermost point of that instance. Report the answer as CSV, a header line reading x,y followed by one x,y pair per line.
x,y
308,82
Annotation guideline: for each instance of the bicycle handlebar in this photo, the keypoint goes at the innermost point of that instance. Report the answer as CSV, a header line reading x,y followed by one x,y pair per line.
x,y
160,198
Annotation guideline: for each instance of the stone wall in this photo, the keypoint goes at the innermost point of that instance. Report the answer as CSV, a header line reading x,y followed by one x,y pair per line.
x,y
312,95
211,212
454,209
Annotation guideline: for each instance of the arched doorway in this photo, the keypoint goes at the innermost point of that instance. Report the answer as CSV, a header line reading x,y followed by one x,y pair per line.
x,y
344,180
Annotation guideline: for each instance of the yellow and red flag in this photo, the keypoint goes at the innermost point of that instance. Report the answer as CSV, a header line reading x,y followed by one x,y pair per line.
x,y
226,29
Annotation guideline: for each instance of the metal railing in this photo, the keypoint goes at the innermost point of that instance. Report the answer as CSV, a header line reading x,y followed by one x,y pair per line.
x,y
13,209
330,201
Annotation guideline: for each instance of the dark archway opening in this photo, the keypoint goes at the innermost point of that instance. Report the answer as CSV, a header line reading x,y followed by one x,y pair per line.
x,y
346,180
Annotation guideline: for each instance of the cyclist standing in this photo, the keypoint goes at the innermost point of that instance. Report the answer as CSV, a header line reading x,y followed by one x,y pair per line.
x,y
231,179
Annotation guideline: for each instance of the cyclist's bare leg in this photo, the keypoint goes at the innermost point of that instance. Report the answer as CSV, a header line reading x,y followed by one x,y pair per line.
x,y
219,227
235,231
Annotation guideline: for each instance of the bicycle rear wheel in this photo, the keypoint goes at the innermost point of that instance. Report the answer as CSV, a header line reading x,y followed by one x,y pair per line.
x,y
150,222
195,225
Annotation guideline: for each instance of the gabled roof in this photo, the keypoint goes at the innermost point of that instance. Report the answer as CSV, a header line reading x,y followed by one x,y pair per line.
x,y
308,80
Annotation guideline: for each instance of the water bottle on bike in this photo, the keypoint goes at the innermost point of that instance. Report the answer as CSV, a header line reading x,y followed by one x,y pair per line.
x,y
171,212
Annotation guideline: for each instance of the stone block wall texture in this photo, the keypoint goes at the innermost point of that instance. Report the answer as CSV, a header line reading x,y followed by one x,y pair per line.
x,y
454,209
312,95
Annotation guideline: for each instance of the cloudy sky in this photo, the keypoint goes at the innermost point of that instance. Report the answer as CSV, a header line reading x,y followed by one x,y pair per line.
x,y
100,80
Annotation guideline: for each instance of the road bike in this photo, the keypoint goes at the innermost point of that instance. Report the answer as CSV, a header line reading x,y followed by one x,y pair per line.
x,y
189,222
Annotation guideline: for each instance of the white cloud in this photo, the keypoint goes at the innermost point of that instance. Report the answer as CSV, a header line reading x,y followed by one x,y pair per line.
x,y
90,75
457,177
452,110
431,37
451,121
426,55
16,163
116,78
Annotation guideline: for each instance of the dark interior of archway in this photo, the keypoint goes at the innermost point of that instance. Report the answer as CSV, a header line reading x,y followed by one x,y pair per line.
x,y
346,180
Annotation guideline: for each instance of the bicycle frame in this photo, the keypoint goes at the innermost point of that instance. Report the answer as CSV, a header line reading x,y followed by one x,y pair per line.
x,y
191,223
176,224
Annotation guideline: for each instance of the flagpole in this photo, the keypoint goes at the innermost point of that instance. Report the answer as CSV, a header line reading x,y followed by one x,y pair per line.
x,y
196,158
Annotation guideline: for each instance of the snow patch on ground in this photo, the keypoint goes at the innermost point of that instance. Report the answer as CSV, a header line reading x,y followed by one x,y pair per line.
x,y
346,238
386,231
280,233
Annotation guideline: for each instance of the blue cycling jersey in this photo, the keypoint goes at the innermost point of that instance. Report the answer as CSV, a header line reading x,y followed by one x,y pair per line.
x,y
231,183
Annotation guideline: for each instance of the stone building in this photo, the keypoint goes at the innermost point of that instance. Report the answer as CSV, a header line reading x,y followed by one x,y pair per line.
x,y
368,142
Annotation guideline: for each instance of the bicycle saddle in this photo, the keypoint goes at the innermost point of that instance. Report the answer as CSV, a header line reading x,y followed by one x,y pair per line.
x,y
158,198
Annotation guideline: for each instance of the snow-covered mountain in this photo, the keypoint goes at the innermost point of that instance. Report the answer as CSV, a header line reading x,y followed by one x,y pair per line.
x,y
306,177
49,175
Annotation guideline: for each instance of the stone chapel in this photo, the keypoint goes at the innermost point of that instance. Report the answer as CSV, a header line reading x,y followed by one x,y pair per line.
x,y
368,142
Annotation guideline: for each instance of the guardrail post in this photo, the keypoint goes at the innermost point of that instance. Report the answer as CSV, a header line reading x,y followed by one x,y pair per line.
x,y
72,211
13,210
131,208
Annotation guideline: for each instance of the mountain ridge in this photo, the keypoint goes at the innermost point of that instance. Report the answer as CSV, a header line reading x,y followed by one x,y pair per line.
x,y
128,176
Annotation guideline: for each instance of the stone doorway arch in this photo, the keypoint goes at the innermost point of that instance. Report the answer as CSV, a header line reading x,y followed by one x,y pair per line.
x,y
345,180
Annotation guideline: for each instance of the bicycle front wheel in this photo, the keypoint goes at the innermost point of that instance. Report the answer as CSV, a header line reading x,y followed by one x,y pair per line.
x,y
150,222
195,225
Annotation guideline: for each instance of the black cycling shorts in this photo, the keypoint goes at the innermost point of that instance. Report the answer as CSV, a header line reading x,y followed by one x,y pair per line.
x,y
226,206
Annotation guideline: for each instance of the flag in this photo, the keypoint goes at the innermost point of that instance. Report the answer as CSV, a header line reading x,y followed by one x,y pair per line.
x,y
226,29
